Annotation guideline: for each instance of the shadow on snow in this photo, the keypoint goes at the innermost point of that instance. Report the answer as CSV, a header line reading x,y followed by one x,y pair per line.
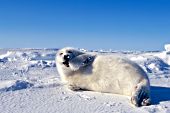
x,y
160,94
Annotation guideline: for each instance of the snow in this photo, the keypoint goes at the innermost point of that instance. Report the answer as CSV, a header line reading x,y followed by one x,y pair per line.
x,y
29,83
167,47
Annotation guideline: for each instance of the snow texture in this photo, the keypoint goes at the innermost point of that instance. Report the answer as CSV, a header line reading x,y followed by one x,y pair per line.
x,y
29,83
167,47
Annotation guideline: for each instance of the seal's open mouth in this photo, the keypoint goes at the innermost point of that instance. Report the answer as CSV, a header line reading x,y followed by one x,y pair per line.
x,y
66,62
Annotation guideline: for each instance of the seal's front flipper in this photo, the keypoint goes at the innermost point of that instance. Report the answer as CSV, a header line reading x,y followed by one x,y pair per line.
x,y
81,61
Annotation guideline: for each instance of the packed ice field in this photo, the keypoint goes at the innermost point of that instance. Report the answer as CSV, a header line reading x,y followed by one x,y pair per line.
x,y
30,83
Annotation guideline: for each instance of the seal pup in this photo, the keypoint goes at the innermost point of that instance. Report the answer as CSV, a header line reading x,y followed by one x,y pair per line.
x,y
103,73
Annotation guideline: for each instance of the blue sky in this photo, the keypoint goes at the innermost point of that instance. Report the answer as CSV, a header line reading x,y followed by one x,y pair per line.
x,y
90,24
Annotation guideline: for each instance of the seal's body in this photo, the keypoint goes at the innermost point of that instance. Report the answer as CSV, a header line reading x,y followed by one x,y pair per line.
x,y
103,73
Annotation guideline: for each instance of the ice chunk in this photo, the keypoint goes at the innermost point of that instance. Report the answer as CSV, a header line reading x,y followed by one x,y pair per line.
x,y
167,47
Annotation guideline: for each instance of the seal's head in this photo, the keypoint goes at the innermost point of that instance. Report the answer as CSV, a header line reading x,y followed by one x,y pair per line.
x,y
66,54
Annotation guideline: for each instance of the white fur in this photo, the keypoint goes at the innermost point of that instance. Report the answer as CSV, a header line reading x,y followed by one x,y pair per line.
x,y
104,73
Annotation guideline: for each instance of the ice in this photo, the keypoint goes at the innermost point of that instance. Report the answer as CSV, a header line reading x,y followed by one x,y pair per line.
x,y
156,65
167,47
5,55
13,86
29,82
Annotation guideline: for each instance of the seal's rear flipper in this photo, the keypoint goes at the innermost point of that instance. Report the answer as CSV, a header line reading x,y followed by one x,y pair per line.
x,y
141,96
81,61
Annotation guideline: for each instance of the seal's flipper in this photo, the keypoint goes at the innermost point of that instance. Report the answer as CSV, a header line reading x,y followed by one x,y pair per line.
x,y
81,61
141,96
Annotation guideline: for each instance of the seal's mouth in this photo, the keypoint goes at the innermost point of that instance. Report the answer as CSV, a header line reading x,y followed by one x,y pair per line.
x,y
66,60
66,63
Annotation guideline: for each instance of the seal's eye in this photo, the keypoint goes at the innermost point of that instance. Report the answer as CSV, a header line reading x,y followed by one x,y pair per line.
x,y
70,52
60,53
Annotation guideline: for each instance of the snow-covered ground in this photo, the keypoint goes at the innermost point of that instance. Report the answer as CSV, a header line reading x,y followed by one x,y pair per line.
x,y
29,83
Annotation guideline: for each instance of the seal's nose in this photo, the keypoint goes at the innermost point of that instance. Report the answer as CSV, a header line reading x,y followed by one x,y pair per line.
x,y
66,57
